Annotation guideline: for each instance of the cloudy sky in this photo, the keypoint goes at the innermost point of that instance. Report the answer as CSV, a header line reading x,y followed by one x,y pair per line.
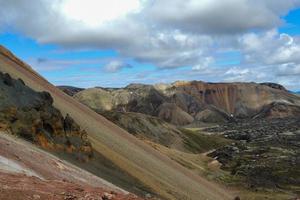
x,y
112,43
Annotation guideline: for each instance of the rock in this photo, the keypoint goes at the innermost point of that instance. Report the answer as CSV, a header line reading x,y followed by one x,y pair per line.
x,y
107,196
70,90
33,117
36,196
7,80
274,86
269,158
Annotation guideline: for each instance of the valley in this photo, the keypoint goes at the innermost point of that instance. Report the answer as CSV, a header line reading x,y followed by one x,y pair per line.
x,y
250,147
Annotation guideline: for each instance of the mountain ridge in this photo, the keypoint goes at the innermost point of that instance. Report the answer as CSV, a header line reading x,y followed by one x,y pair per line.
x,y
181,103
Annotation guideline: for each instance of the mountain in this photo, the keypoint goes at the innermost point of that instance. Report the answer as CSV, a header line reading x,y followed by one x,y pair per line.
x,y
141,168
185,103
250,130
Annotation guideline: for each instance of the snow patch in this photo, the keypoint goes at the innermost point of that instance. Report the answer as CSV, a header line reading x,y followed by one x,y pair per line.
x,y
8,165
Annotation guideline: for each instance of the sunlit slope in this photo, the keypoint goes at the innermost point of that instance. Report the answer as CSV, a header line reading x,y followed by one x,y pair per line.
x,y
158,172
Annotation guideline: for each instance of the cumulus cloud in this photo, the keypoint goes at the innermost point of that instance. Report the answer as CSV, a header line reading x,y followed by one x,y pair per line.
x,y
289,69
220,17
270,47
167,33
115,66
204,65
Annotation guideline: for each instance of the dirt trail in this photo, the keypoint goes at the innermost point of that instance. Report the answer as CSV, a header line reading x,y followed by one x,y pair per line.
x,y
155,170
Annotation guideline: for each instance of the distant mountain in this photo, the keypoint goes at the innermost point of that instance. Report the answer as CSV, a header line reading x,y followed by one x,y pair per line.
x,y
70,90
186,103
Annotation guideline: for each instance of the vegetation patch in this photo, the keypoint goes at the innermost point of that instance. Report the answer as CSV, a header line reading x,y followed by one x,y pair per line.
x,y
197,142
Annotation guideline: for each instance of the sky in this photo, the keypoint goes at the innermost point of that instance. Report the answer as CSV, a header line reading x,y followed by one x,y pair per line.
x,y
88,43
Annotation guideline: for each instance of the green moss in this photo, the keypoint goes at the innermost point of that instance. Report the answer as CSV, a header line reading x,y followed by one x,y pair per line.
x,y
197,142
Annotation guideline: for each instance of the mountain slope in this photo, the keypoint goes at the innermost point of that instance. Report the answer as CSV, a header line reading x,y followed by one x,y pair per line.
x,y
22,177
162,175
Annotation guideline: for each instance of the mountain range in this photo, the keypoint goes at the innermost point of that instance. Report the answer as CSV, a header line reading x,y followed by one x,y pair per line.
x,y
185,140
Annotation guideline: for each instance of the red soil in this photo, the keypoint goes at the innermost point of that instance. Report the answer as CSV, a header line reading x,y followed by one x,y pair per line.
x,y
22,187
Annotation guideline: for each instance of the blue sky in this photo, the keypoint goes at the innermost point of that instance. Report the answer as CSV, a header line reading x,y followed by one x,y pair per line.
x,y
142,42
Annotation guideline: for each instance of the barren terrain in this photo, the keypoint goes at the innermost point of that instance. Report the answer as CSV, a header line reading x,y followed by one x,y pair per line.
x,y
27,172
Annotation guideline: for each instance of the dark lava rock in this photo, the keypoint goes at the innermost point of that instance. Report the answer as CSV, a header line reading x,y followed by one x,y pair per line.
x,y
274,86
70,90
266,152
31,115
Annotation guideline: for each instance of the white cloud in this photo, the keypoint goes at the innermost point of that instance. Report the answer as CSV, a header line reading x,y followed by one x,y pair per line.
x,y
94,13
166,33
220,17
205,65
270,47
289,69
115,66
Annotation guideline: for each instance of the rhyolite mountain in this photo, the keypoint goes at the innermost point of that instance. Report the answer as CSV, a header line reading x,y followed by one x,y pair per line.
x,y
184,103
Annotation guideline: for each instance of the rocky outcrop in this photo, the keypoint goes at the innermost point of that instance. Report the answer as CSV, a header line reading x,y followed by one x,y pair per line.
x,y
274,85
31,115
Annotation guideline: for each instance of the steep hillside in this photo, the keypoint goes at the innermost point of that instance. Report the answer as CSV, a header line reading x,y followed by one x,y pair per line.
x,y
27,172
31,115
146,127
159,173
